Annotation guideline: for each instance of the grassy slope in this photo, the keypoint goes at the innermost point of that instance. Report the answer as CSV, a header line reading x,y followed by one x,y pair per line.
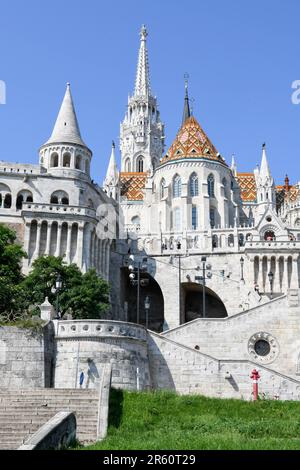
x,y
163,420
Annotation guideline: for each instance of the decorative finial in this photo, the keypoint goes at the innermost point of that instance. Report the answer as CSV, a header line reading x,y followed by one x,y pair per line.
x,y
113,144
68,84
186,81
264,145
143,33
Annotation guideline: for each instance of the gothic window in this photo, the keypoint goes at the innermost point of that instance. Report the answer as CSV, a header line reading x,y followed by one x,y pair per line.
x,y
140,165
177,219
78,162
241,239
59,197
87,167
176,186
194,218
230,240
224,183
212,217
211,185
67,159
128,165
54,160
54,200
65,201
193,185
7,201
22,196
215,241
162,188
19,202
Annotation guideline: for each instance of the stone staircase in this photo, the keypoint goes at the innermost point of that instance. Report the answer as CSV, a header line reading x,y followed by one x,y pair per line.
x,y
23,412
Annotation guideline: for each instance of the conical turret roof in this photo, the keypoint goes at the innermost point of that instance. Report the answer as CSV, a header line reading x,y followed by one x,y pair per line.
x,y
66,129
192,142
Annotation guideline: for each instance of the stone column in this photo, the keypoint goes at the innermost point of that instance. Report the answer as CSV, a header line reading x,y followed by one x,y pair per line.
x,y
285,279
59,229
277,287
47,249
27,237
69,238
80,245
107,259
38,241
294,276
260,274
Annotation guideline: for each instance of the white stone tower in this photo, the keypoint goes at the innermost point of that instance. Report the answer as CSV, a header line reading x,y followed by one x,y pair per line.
x,y
265,186
65,153
141,132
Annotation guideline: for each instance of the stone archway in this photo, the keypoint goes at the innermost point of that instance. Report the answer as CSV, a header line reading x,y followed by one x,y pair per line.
x,y
153,291
192,302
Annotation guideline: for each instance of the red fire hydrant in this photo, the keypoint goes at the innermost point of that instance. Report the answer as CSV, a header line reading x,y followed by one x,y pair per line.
x,y
255,376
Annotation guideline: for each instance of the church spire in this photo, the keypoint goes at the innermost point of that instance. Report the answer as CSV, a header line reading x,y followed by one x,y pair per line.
x,y
66,128
112,175
142,82
186,108
264,172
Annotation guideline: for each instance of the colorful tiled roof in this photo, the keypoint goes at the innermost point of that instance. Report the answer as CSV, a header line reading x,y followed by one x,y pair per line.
x,y
192,142
132,185
247,185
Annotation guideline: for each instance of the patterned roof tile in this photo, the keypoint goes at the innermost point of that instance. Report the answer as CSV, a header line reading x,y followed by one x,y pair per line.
x,y
132,185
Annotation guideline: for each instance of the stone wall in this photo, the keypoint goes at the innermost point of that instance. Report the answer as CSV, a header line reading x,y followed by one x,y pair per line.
x,y
230,338
25,357
177,367
86,346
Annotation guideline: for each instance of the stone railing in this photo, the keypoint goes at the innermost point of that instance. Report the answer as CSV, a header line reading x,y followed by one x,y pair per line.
x,y
132,228
59,209
99,328
272,245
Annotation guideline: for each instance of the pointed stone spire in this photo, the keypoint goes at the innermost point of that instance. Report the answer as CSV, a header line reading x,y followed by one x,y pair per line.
x,y
186,108
233,165
66,129
112,173
264,171
142,82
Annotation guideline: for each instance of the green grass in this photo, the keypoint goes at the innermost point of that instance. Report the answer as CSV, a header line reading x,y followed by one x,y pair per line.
x,y
166,421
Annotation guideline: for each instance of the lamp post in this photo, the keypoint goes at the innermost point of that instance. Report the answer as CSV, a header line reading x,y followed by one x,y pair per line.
x,y
271,279
147,308
242,268
58,286
135,270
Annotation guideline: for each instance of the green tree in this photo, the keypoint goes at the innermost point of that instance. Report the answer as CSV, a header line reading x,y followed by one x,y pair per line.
x,y
11,255
83,295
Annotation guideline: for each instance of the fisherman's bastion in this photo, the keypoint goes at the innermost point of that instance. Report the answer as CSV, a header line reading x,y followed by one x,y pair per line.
x,y
202,260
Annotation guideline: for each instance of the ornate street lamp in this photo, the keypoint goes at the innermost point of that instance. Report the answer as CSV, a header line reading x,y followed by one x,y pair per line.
x,y
136,269
271,280
58,286
242,268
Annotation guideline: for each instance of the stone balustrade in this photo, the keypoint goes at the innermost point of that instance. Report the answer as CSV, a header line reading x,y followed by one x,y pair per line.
x,y
58,209
99,328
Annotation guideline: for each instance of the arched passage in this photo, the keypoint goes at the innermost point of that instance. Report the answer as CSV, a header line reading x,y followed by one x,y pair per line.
x,y
151,290
192,301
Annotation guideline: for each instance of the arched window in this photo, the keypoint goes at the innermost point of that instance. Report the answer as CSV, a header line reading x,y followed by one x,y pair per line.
x,y
7,201
128,165
177,219
23,196
297,222
87,167
67,159
162,188
54,160
193,185
135,220
19,202
194,218
140,165
230,240
176,186
59,197
78,162
241,239
215,241
211,185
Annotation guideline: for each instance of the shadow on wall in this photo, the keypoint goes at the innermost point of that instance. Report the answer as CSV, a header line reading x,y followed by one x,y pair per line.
x,y
161,377
116,399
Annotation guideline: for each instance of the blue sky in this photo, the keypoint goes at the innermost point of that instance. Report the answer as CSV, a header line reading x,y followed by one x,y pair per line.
x,y
242,58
